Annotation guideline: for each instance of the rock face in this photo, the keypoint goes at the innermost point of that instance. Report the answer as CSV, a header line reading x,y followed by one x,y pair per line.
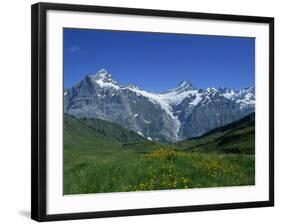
x,y
171,116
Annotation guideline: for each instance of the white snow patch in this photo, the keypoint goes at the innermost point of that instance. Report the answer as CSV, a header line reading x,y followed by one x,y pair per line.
x,y
155,98
148,122
108,85
248,100
148,138
65,93
140,133
197,99
229,94
135,115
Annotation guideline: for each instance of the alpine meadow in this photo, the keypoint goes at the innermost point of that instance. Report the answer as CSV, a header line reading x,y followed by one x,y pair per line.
x,y
153,111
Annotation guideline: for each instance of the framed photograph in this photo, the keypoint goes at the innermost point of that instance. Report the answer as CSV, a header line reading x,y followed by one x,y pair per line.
x,y
139,111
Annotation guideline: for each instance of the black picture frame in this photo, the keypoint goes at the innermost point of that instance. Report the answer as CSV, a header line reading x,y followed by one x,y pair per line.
x,y
38,108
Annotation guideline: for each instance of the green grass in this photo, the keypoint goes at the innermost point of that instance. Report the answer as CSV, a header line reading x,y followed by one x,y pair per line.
x,y
93,171
97,160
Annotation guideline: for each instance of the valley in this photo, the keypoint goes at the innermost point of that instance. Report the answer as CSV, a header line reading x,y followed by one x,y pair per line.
x,y
100,157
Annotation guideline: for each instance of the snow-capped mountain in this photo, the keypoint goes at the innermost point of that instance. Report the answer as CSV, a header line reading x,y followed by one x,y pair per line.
x,y
176,114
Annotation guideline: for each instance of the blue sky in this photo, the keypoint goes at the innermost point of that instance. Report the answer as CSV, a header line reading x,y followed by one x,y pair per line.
x,y
157,62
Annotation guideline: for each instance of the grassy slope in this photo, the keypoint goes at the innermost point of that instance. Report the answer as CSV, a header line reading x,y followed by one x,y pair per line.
x,y
77,135
96,133
237,137
98,159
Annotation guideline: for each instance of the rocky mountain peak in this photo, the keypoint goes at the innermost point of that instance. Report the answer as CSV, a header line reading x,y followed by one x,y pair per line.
x,y
133,86
250,89
102,72
185,83
103,78
183,86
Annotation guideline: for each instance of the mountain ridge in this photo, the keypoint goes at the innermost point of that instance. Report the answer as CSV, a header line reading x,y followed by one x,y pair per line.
x,y
169,116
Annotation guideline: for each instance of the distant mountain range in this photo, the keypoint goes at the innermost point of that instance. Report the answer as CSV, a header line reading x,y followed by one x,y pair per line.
x,y
177,114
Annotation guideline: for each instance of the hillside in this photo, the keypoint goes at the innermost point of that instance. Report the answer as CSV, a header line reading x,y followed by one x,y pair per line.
x,y
236,137
96,133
